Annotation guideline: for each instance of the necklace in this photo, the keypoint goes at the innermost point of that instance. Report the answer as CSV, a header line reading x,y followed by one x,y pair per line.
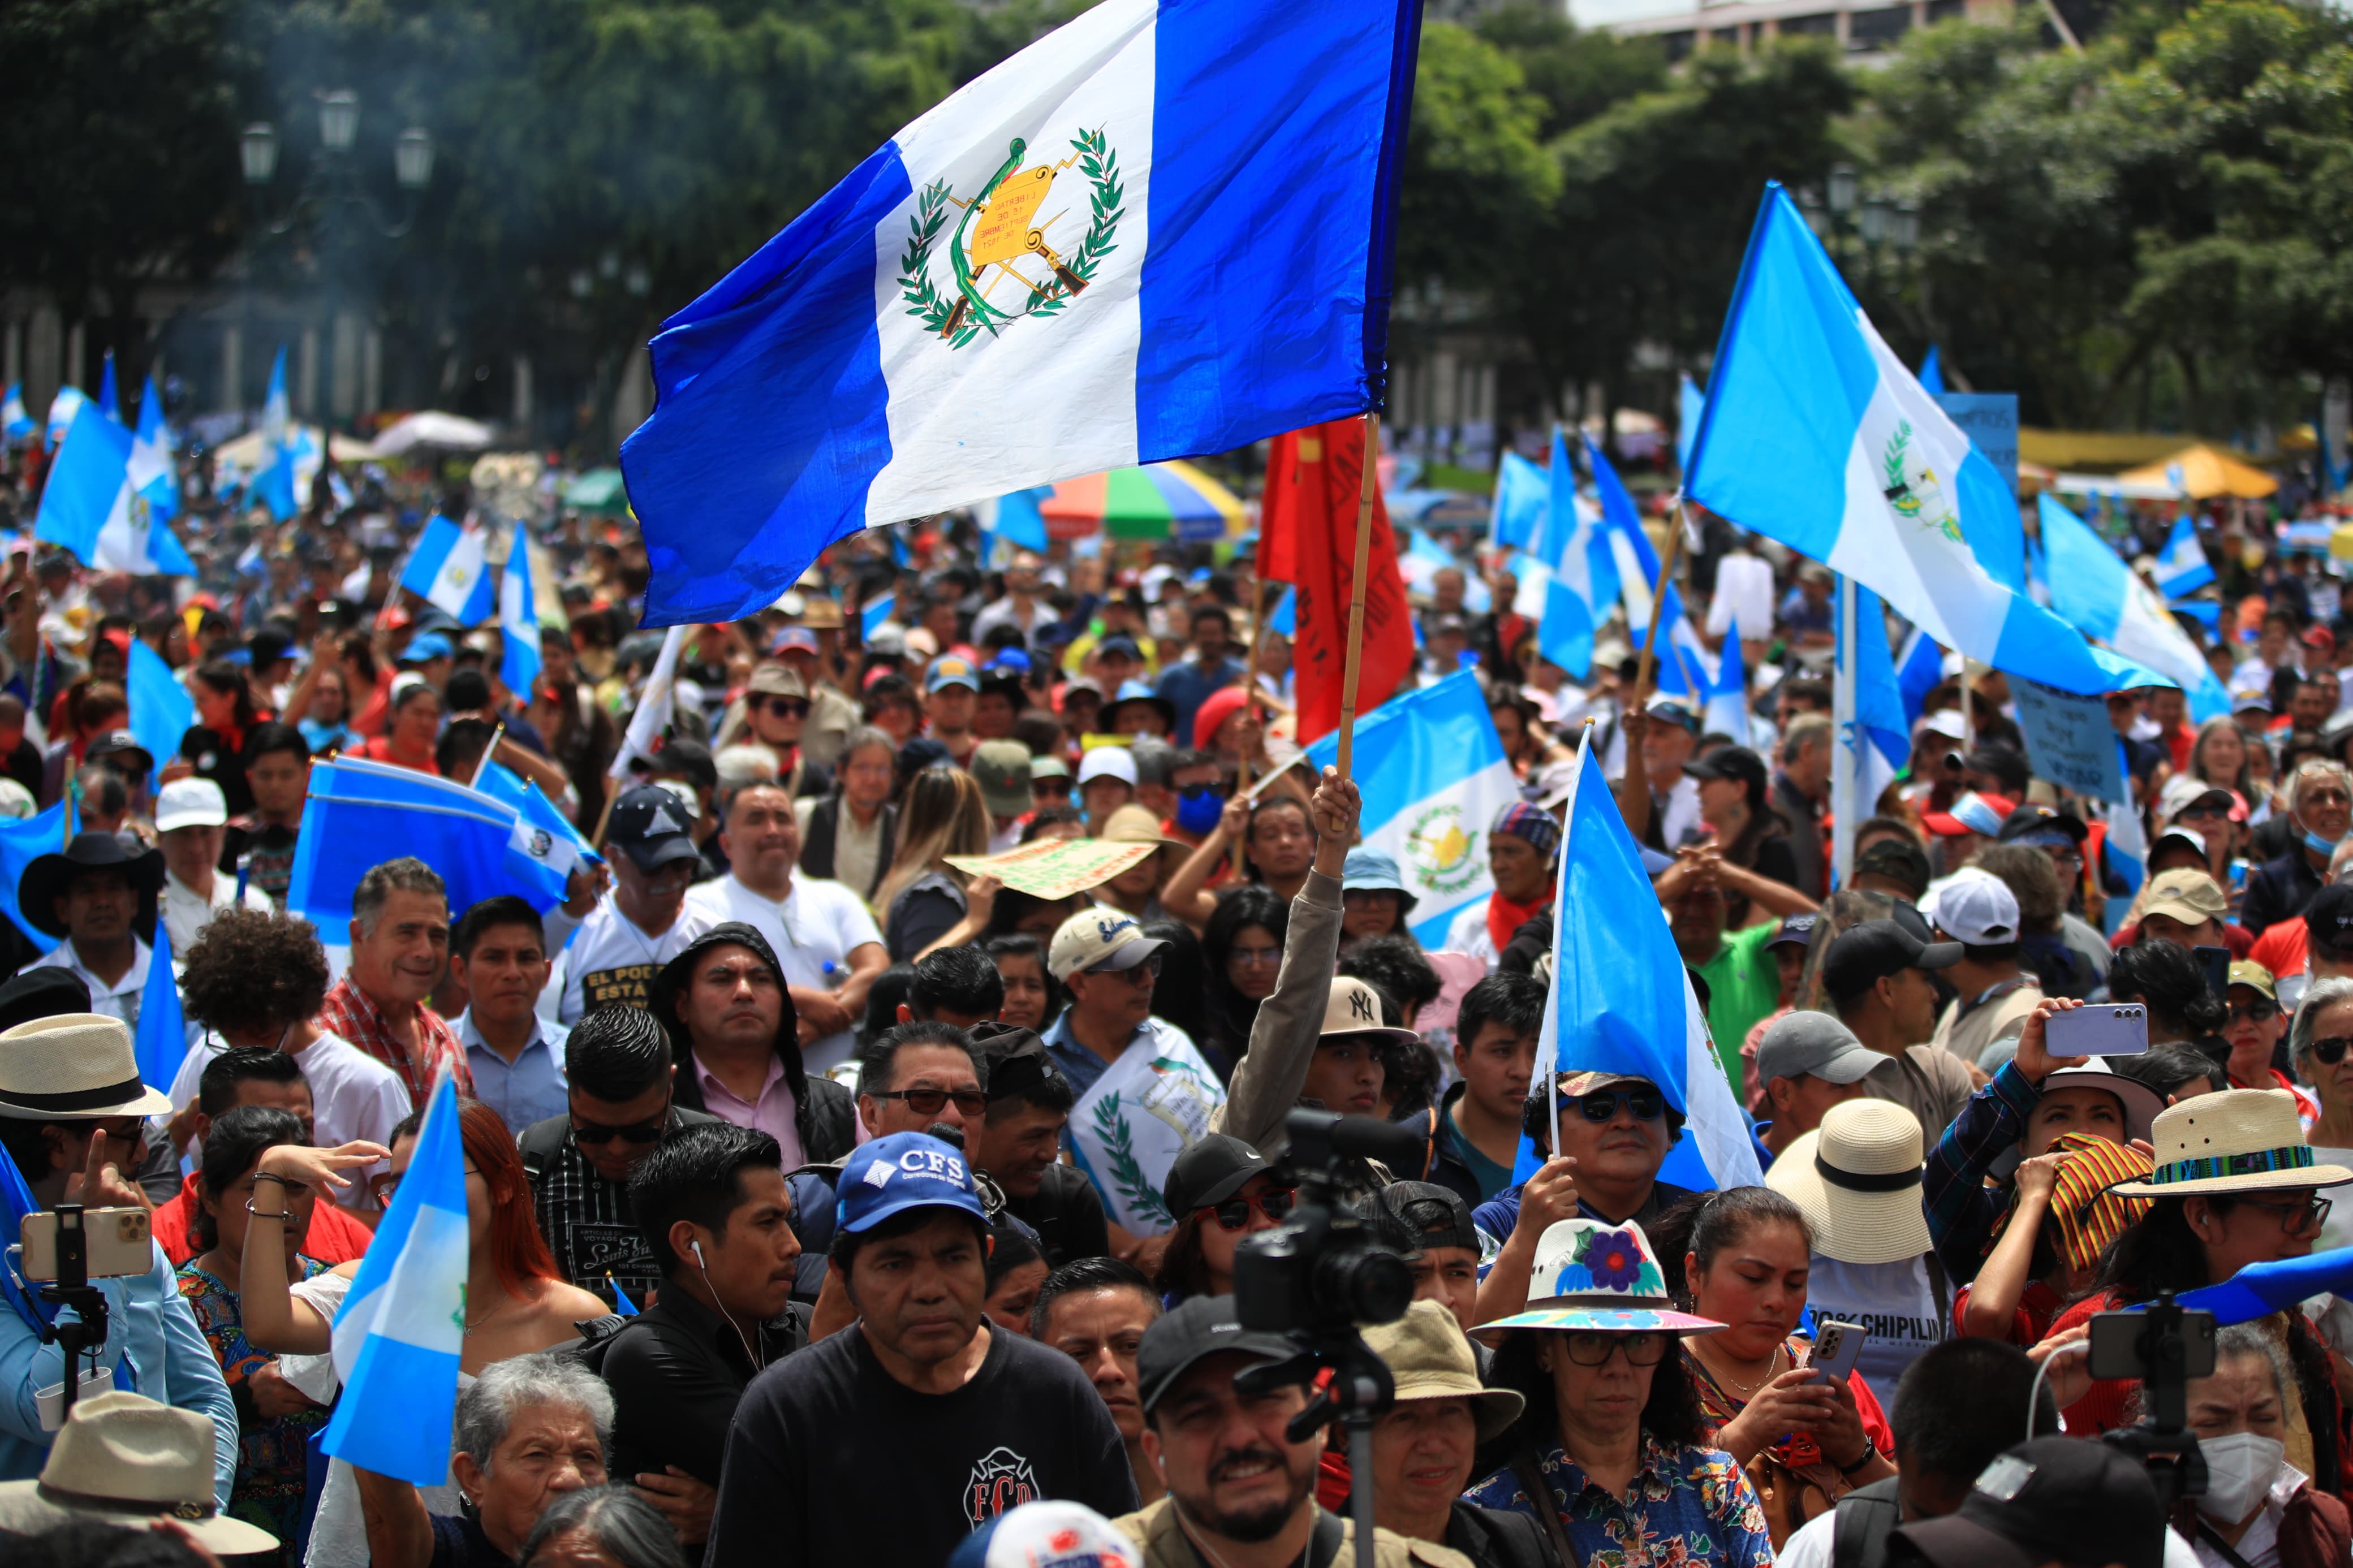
x,y
1747,1391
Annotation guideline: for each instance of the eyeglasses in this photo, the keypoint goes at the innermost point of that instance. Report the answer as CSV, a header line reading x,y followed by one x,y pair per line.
x,y
1196,791
2300,1214
1647,1104
1049,789
788,707
1256,957
2332,1050
1135,973
1275,1203
2255,1012
1592,1347
598,1132
932,1101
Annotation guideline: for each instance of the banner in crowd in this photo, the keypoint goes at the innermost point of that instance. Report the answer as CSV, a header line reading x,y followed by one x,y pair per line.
x,y
1149,1106
1194,204
1056,868
1433,773
1315,479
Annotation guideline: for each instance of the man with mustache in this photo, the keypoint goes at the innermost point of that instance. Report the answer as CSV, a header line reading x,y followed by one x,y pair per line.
x,y
1241,1494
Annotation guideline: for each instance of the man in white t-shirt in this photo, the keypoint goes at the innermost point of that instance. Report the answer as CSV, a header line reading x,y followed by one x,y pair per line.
x,y
257,980
823,935
639,926
191,820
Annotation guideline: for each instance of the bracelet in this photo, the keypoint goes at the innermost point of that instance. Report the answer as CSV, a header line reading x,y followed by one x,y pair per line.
x,y
271,1176
1869,1452
260,1214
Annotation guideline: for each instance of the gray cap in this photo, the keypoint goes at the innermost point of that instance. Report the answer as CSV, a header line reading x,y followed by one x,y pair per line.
x,y
1799,1044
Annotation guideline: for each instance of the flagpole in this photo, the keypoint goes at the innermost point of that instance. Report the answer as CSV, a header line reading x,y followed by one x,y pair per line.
x,y
1250,698
1658,602
487,752
1846,758
1356,590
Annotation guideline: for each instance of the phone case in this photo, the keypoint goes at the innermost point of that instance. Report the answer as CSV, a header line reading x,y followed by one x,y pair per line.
x,y
2100,1029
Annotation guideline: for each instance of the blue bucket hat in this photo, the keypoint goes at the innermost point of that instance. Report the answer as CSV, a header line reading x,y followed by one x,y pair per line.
x,y
1375,871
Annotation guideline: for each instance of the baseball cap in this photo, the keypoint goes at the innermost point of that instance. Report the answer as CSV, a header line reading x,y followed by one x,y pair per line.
x,y
1737,762
424,646
1066,1534
951,670
1202,1327
2060,1497
1893,857
794,639
2190,837
2042,826
121,743
1210,1170
1972,813
2189,896
902,1171
1048,768
1796,930
1121,647
2328,920
1001,769
1674,711
1100,937
1945,721
1799,1044
1873,949
1979,911
776,681
1414,1216
650,825
2186,792
1107,763
190,803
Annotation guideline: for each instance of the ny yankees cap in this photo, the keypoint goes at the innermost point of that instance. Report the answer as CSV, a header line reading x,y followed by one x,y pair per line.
x,y
652,826
899,1172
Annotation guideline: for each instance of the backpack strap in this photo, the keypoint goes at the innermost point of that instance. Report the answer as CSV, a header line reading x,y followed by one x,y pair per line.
x,y
1532,1481
1861,1523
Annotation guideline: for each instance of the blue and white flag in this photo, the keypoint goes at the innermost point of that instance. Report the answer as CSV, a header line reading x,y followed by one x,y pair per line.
x,y
1691,405
1932,373
1434,776
1816,435
1019,521
17,1202
91,507
15,423
152,474
22,843
161,710
872,614
1621,1000
1568,581
545,844
1425,558
69,401
450,570
1727,709
1880,739
357,807
110,395
1196,205
161,1042
2126,849
1919,670
2093,591
402,1330
1522,493
1284,617
275,484
518,656
2182,566
1682,666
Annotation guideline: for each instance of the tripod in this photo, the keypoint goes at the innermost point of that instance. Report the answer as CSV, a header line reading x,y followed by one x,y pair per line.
x,y
72,1288
1360,1389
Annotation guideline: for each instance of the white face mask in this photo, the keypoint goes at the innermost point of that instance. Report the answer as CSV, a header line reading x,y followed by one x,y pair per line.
x,y
2240,1470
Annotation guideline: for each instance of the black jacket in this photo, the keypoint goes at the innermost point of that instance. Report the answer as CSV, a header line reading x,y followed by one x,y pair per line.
x,y
1446,1166
824,1114
1496,1538
677,1370
816,844
2278,890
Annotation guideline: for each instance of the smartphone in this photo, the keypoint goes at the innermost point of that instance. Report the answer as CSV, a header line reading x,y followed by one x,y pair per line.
x,y
2216,962
121,1244
1837,1346
2100,1029
2115,1340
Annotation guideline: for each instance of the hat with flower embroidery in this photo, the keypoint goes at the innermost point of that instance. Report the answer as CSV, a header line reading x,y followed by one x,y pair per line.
x,y
1595,1276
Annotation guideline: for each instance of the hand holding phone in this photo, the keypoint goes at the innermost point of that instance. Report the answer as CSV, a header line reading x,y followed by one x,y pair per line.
x,y
1837,1347
2097,1029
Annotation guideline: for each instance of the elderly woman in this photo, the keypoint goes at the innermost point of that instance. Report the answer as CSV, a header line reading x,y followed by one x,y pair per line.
x,y
2258,1509
529,1429
2320,809
1612,1446
611,1526
2320,1044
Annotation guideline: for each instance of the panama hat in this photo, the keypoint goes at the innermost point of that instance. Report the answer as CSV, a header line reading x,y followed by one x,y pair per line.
x,y
128,1460
1856,1178
2239,1140
51,875
1430,1359
1595,1276
73,1066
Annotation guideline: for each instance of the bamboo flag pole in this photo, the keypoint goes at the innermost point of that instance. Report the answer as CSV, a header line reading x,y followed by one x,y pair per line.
x,y
1250,700
1658,602
1356,592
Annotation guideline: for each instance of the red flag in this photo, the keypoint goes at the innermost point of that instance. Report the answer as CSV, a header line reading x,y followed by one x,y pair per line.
x,y
1307,536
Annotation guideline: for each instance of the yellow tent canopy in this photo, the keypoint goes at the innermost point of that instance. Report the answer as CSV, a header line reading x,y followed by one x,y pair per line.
x,y
2205,472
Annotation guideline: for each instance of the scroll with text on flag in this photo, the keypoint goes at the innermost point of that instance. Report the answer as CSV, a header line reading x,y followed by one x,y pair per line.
x,y
1162,229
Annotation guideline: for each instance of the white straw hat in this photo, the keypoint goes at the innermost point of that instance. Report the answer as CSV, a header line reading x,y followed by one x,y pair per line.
x,y
73,1066
2239,1141
128,1460
1856,1178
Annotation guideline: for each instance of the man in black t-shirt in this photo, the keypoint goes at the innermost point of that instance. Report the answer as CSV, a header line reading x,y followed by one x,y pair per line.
x,y
1020,1142
919,1420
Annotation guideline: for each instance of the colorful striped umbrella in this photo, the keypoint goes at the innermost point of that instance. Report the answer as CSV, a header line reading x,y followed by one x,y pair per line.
x,y
1149,503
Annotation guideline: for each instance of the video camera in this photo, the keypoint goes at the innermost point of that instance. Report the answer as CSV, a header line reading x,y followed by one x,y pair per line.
x,y
2164,1345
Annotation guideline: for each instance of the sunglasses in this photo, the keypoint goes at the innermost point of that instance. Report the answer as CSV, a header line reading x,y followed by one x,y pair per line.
x,y
1647,1104
2300,1214
1196,791
788,707
1057,789
1135,973
598,1132
932,1101
1275,1203
1592,1347
2332,1050
2255,1012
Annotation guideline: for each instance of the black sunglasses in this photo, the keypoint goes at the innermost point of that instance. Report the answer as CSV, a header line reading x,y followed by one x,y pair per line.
x,y
788,707
636,1132
2255,1012
2332,1050
932,1101
1275,1203
1647,1104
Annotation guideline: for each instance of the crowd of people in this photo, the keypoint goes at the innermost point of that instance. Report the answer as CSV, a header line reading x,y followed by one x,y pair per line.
x,y
831,1200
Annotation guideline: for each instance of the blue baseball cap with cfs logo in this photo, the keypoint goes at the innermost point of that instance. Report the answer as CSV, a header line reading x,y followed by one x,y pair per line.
x,y
902,1171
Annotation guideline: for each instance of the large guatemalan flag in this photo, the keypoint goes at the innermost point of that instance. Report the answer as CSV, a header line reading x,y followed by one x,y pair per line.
x,y
1162,229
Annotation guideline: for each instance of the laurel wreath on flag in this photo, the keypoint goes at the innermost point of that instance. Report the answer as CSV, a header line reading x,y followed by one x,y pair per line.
x,y
1126,1173
1100,166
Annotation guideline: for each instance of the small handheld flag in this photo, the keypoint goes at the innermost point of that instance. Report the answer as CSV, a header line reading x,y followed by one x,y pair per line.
x,y
161,1042
450,570
518,657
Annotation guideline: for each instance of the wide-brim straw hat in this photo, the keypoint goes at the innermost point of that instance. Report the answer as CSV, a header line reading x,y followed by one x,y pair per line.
x,y
1856,1178
73,1066
1430,1359
128,1460
2239,1140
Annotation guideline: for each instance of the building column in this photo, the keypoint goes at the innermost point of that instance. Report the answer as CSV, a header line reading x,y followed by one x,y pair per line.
x,y
44,363
306,376
343,372
12,353
633,399
522,395
372,372
76,339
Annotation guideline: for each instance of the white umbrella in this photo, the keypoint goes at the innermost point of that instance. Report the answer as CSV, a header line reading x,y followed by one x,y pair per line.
x,y
431,428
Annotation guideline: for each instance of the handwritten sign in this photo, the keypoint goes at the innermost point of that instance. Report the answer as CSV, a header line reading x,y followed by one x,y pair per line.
x,y
2069,739
1056,867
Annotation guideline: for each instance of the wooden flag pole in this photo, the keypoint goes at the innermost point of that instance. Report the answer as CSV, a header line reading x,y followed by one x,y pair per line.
x,y
1357,591
1249,701
1658,602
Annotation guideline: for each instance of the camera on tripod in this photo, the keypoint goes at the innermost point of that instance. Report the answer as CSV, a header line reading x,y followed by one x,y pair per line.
x,y
1321,1272
2164,1345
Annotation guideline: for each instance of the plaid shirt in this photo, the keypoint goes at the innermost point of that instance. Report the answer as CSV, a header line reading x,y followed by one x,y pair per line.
x,y
587,1222
1961,1208
352,1014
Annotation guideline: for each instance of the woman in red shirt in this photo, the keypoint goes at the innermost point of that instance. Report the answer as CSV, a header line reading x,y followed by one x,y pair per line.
x,y
415,723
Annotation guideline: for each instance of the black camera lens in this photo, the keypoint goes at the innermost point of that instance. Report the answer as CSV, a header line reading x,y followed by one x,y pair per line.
x,y
1372,1286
